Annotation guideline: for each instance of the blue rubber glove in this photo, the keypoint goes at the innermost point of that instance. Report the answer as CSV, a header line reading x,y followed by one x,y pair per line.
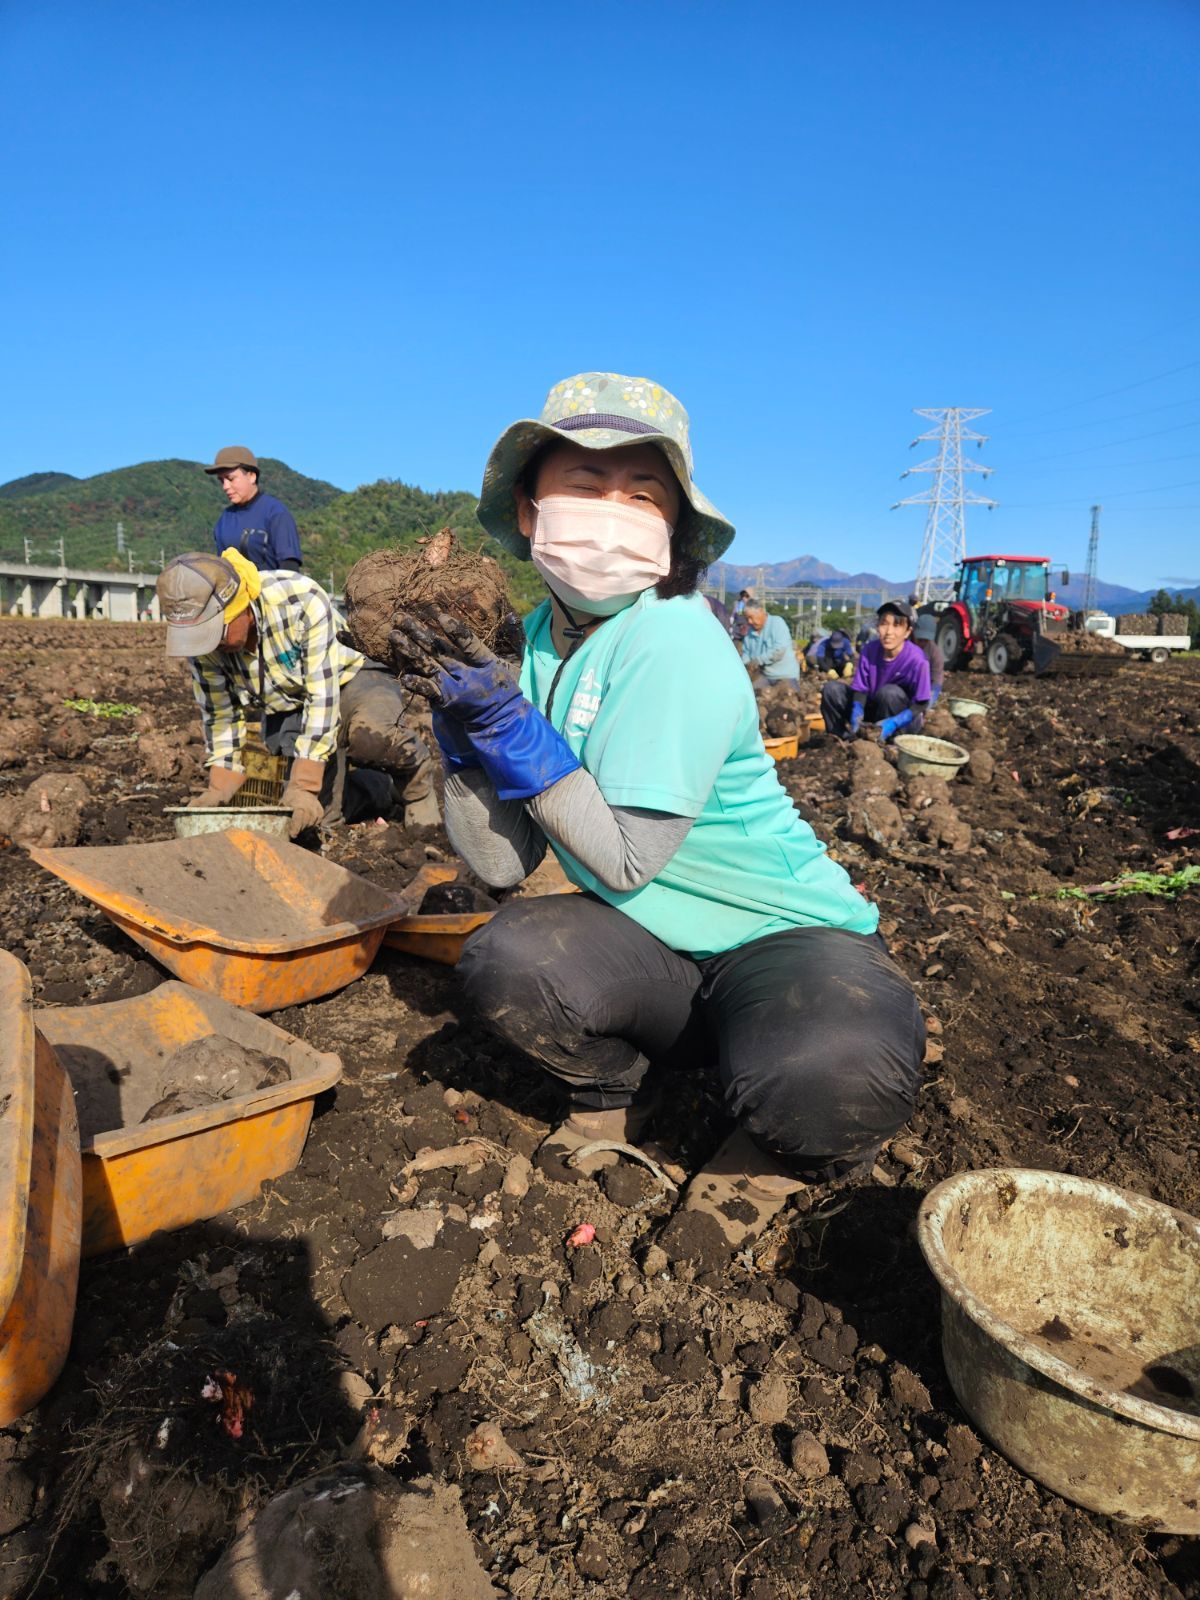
x,y
453,741
517,748
857,713
891,725
935,694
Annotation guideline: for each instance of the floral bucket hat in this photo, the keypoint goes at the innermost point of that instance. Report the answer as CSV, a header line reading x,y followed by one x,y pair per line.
x,y
599,410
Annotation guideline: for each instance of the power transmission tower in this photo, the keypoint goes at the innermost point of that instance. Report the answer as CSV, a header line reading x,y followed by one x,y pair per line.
x,y
945,542
1089,577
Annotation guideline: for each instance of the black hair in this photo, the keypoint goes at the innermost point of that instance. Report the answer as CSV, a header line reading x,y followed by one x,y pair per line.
x,y
687,565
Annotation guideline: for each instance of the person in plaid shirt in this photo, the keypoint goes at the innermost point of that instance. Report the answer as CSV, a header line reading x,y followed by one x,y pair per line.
x,y
264,652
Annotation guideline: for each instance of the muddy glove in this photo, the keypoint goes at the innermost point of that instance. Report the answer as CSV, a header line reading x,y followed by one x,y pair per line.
x,y
223,784
302,795
517,748
891,725
857,712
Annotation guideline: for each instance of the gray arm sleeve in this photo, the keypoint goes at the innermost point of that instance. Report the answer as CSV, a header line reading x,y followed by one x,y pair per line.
x,y
625,847
496,838
502,841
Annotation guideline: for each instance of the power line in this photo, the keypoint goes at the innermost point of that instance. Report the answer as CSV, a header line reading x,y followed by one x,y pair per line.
x,y
1108,444
1103,422
1107,394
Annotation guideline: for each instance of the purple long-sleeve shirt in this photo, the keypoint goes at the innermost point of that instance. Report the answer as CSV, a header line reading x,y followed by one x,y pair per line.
x,y
908,668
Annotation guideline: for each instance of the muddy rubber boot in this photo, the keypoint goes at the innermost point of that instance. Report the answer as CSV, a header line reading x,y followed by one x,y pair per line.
x,y
728,1203
623,1125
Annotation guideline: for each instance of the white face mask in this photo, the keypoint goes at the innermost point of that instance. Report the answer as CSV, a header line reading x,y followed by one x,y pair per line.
x,y
598,555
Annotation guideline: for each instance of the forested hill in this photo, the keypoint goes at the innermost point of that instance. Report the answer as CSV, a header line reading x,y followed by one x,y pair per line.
x,y
170,506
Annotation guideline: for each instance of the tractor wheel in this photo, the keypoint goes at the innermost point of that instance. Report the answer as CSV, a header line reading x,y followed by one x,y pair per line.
x,y
949,641
1159,655
1004,655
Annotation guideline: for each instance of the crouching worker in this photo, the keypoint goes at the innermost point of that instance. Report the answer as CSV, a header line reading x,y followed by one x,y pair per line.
x,y
890,686
713,931
832,655
266,661
767,648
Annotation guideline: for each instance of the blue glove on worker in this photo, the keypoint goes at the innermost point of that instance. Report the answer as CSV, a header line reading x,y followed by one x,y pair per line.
x,y
891,725
935,694
516,746
453,741
857,712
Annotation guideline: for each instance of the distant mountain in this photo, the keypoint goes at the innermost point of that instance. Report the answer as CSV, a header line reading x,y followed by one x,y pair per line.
x,y
34,483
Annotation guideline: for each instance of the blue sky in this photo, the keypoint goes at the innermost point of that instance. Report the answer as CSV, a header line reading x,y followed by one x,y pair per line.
x,y
366,237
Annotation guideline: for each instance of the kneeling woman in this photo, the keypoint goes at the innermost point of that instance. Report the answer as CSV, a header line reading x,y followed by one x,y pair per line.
x,y
712,929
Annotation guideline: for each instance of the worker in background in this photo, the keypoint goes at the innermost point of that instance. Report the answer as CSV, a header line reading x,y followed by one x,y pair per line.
x,y
253,523
890,686
925,638
713,930
767,649
832,655
264,655
738,626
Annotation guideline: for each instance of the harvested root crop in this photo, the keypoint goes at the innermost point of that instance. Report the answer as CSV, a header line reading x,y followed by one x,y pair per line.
x,y
48,814
433,576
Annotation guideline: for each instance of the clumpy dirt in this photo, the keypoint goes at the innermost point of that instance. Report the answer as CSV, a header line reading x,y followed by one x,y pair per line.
x,y
436,575
780,1426
212,1069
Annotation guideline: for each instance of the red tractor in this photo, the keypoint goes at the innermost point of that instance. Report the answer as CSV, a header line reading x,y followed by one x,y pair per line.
x,y
1003,611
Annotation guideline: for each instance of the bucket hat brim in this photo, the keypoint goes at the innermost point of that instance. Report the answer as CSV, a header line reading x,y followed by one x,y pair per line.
x,y
517,446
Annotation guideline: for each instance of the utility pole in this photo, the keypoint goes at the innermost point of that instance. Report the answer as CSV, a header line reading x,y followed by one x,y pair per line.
x,y
945,542
120,538
1089,577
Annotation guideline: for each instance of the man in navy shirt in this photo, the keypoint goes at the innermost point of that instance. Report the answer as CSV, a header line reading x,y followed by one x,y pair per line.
x,y
255,524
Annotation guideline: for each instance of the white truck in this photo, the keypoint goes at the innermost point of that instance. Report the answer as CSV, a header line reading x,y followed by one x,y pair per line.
x,y
1154,647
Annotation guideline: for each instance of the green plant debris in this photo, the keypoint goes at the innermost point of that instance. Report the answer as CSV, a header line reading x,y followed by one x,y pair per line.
x,y
104,708
1165,885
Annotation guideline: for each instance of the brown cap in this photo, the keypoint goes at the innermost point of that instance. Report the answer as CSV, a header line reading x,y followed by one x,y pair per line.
x,y
233,455
193,591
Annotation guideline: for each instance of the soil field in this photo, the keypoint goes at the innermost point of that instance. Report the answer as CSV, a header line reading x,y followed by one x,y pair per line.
x,y
777,1427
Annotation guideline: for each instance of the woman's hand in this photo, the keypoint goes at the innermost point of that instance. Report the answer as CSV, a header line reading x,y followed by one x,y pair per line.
x,y
455,672
478,707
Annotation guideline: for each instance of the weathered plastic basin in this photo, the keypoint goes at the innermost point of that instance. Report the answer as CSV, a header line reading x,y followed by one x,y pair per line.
x,y
965,709
922,757
1071,1335
139,1177
193,820
40,1202
259,922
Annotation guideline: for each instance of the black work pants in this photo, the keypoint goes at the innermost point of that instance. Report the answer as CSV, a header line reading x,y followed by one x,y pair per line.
x,y
838,697
815,1033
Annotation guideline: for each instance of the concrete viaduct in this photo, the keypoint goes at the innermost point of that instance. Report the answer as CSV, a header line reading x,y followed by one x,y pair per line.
x,y
31,591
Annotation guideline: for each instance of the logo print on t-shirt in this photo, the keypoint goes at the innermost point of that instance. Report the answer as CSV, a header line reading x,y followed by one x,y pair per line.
x,y
584,705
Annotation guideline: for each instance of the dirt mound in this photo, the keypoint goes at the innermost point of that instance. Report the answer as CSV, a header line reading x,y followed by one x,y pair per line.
x,y
49,813
437,575
353,1533
213,1069
20,737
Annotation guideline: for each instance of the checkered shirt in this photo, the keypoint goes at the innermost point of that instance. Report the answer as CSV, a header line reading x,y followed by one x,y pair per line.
x,y
303,666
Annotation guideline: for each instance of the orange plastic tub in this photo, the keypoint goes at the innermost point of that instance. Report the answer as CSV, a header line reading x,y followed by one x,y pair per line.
x,y
437,936
257,921
40,1202
139,1176
783,749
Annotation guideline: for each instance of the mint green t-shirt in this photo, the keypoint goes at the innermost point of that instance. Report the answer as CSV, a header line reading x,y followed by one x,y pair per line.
x,y
658,708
